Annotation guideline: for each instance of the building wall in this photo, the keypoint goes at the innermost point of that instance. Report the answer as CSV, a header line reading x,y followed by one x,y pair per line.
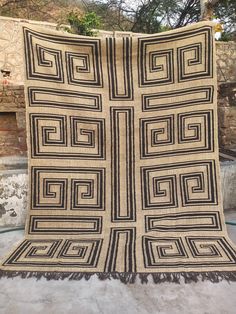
x,y
227,115
12,121
11,45
226,61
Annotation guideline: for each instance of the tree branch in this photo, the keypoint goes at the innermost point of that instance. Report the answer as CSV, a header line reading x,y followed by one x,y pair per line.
x,y
207,7
9,2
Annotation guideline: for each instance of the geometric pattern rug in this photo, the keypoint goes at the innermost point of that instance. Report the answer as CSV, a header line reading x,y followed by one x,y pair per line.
x,y
123,159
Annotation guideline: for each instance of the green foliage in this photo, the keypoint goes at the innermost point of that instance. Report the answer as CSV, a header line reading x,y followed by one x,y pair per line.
x,y
83,24
225,10
226,36
141,16
144,16
153,16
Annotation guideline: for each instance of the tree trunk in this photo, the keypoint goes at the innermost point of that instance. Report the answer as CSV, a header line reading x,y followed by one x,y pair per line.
x,y
207,9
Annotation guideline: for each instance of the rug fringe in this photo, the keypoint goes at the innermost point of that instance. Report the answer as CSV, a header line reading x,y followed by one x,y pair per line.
x,y
127,278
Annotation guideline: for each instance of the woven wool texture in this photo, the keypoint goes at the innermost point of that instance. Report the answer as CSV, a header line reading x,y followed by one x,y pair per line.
x,y
123,155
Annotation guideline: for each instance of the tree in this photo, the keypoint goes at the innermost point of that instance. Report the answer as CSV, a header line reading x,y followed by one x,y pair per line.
x,y
150,16
113,14
225,10
146,16
44,10
83,24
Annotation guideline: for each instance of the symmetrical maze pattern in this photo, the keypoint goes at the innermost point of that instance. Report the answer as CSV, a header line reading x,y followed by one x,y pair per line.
x,y
80,137
124,167
68,188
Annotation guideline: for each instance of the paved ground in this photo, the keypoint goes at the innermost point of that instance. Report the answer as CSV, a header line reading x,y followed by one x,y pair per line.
x,y
21,296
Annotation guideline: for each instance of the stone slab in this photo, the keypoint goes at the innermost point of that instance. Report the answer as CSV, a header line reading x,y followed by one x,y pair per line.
x,y
228,184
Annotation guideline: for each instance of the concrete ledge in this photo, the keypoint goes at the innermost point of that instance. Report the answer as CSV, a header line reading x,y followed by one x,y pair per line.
x,y
228,184
14,184
13,197
13,163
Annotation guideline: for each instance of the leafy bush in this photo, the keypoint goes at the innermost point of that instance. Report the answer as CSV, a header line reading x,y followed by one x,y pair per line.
x,y
83,24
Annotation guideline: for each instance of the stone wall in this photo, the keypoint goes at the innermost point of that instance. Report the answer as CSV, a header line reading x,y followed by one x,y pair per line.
x,y
12,121
227,115
226,61
11,45
226,75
